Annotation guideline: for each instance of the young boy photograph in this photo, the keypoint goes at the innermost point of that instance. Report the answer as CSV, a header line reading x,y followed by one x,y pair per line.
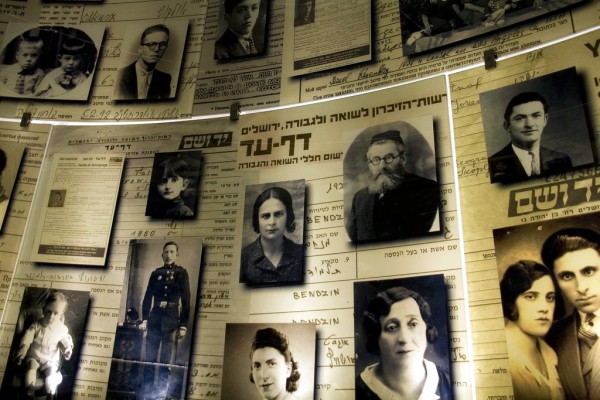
x,y
45,346
173,186
24,75
50,62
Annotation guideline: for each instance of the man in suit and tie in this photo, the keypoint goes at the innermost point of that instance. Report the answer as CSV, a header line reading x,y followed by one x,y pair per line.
x,y
142,80
525,118
573,254
240,40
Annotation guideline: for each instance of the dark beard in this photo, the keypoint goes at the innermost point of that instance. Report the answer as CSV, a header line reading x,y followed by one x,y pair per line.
x,y
384,182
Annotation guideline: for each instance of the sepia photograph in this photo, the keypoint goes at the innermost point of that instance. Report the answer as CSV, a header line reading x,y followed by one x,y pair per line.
x,y
273,234
431,24
304,12
49,62
11,154
390,182
154,335
550,291
269,361
242,29
150,61
402,338
44,355
173,191
537,127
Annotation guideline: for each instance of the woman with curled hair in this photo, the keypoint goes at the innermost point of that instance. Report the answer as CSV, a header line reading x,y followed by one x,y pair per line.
x,y
274,371
529,305
272,257
398,324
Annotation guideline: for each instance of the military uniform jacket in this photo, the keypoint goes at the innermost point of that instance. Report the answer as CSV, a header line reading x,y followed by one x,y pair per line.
x,y
168,288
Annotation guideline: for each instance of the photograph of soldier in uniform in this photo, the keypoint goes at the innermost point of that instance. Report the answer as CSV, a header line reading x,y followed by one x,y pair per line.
x,y
550,291
156,320
44,356
264,361
536,128
49,62
273,238
431,24
401,339
150,61
11,154
173,191
390,182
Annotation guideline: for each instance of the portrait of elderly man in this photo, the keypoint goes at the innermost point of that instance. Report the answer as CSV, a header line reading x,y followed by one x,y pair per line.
x,y
243,37
395,203
142,79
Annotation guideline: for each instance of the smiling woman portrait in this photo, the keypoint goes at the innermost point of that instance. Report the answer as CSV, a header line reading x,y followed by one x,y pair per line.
x,y
272,258
529,303
398,325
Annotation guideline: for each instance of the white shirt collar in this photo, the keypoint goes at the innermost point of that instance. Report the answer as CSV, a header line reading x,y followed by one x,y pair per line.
x,y
380,389
525,157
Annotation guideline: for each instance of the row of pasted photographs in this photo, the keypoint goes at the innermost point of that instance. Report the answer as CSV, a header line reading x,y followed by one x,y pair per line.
x,y
549,284
395,326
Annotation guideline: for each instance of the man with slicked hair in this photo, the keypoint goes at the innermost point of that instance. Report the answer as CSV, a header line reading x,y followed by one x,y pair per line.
x,y
395,204
525,118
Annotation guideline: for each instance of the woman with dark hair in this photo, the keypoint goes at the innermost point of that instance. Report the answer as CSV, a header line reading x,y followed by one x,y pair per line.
x,y
399,327
274,371
529,304
272,257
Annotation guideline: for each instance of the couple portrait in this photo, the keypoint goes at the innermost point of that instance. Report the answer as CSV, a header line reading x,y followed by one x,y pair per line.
x,y
550,293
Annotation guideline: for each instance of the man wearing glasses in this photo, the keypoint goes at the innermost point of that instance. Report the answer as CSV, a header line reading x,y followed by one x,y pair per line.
x,y
142,80
395,204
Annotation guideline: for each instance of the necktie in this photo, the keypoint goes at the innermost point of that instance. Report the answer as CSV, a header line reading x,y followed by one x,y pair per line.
x,y
587,332
20,83
250,46
535,170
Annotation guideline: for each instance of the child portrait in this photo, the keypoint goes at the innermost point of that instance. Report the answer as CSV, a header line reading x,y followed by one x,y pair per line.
x,y
49,62
174,185
44,355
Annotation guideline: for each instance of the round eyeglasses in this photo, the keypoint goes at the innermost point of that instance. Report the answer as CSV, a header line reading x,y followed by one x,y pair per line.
x,y
388,158
156,45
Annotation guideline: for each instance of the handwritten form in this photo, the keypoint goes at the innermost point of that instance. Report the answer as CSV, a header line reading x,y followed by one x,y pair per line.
x,y
35,138
478,197
117,16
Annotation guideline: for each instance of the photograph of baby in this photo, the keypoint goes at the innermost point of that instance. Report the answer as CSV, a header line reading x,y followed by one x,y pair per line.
x,y
269,361
11,154
273,236
44,355
49,62
536,128
174,185
401,338
150,61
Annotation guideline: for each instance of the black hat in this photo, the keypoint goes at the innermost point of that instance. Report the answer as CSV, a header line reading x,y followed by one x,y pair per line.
x,y
393,135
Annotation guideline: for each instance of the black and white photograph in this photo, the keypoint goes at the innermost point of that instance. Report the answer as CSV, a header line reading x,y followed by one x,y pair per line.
x,y
536,128
44,355
273,234
49,62
304,13
390,182
57,198
150,61
550,291
173,191
269,361
154,335
401,339
242,29
431,24
11,154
